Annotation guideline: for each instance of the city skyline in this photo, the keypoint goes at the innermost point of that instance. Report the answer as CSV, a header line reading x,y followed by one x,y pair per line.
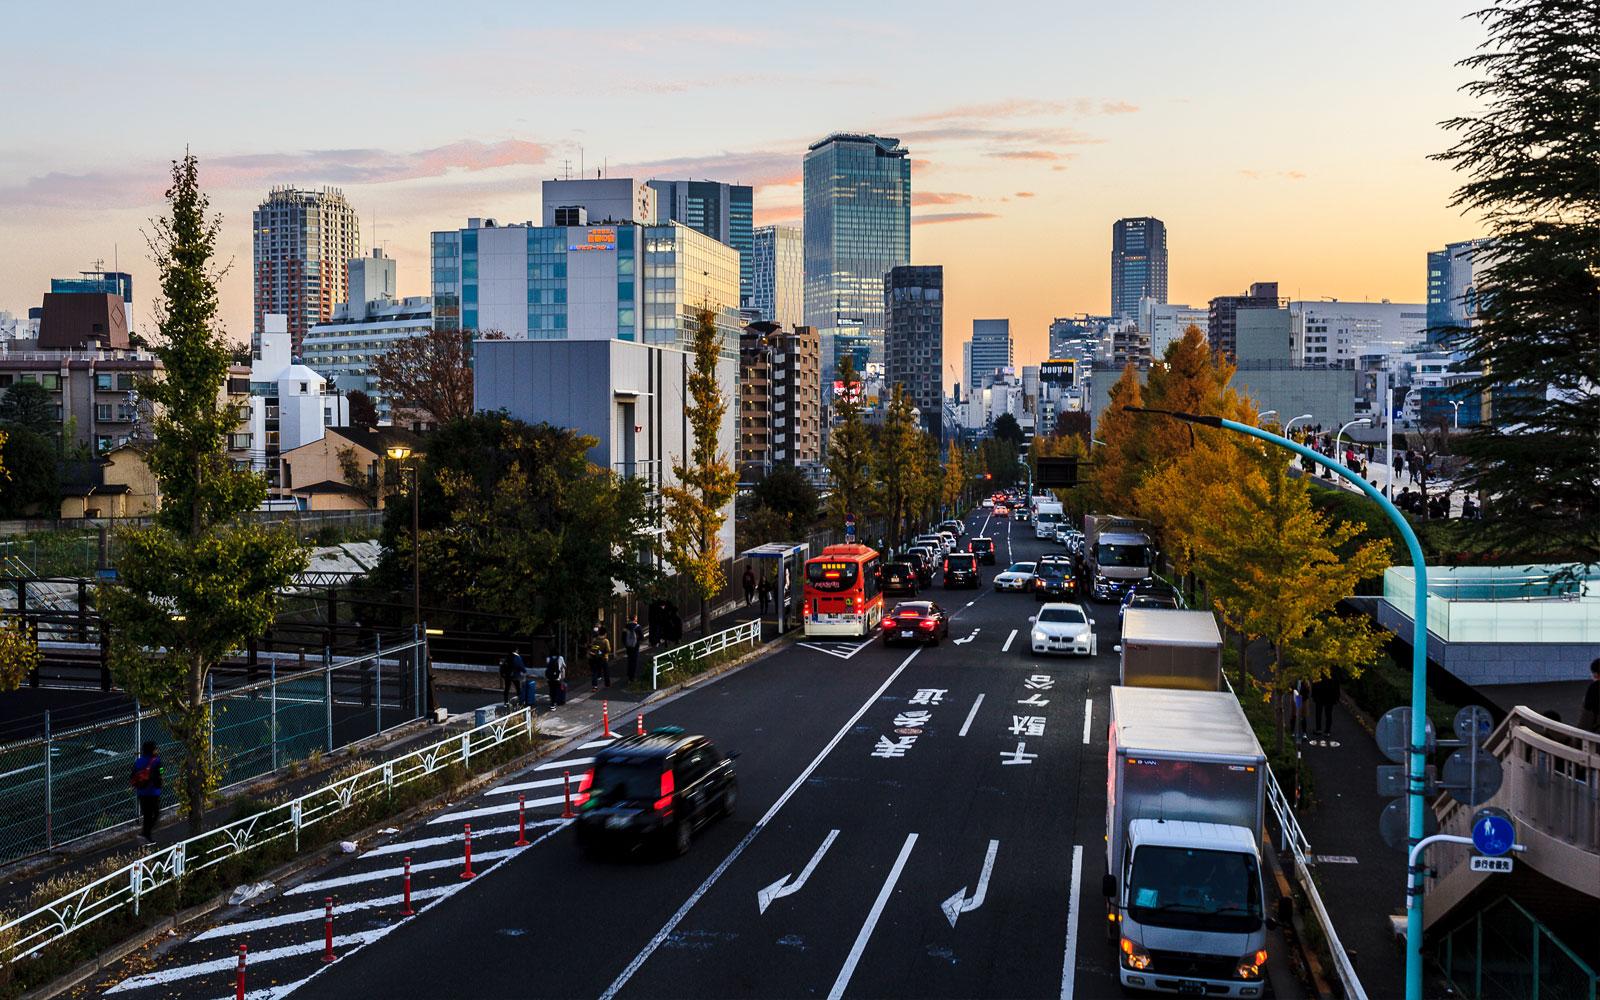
x,y
1020,164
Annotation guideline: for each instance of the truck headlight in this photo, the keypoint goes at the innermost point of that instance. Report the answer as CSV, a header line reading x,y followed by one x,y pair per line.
x,y
1250,965
1134,956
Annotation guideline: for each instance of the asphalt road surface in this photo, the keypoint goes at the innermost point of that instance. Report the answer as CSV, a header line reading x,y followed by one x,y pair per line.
x,y
911,823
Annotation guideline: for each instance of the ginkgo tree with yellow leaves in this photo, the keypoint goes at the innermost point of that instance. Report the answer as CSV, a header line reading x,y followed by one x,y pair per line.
x,y
19,654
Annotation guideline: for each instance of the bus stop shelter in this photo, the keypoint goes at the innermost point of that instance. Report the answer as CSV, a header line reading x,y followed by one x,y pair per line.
x,y
784,564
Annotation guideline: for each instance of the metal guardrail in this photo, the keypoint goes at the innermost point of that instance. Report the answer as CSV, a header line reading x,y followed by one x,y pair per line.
x,y
126,887
749,632
1293,840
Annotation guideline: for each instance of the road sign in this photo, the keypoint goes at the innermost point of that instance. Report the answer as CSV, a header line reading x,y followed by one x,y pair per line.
x,y
1392,779
1472,775
850,526
1493,833
1393,826
1394,733
1473,721
1479,863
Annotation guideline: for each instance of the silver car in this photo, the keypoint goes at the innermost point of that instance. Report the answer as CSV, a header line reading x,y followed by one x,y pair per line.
x,y
1016,577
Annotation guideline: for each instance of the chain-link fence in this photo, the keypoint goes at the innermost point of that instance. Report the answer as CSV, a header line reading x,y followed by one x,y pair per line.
x,y
73,783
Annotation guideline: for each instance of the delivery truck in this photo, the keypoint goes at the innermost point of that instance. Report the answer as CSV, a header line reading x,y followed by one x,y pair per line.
x,y
1047,517
1171,649
1184,798
1117,553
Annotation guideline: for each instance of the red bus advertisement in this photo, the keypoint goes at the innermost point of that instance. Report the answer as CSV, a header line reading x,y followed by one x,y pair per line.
x,y
842,592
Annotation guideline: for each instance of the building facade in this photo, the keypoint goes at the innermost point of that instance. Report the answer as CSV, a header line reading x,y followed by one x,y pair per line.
x,y
724,212
857,202
988,353
1138,264
301,242
913,339
1164,323
1453,275
778,274
1221,317
1339,334
289,406
343,349
780,408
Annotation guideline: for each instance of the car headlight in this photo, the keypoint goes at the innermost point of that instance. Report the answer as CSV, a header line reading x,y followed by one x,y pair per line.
x,y
1039,637
1134,956
1250,965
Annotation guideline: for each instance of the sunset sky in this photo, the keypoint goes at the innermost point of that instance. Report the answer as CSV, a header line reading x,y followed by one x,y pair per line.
x,y
1281,142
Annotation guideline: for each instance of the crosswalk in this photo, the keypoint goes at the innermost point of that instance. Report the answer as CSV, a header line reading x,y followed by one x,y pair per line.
x,y
287,932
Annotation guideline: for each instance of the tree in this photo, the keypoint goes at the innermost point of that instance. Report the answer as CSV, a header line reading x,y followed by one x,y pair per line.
x,y
429,375
1529,159
192,584
1006,428
953,479
694,506
763,525
998,457
31,480
897,463
370,486
1073,423
363,411
785,491
849,448
28,405
1120,462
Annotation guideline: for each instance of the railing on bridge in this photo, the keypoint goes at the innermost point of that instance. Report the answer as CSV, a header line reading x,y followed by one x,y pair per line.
x,y
747,634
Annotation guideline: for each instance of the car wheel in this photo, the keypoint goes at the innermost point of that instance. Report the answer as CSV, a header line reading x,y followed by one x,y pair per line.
x,y
730,796
682,836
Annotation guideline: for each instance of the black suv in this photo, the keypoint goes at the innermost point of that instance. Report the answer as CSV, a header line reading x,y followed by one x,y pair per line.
x,y
983,548
900,578
1052,580
919,558
961,570
654,789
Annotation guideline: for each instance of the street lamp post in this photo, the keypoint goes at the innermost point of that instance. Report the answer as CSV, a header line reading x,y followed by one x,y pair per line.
x,y
400,453
1415,760
1337,449
1292,421
1263,415
1456,403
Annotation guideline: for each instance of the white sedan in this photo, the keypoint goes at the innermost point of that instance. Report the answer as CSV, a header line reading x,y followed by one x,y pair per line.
x,y
1063,628
1017,577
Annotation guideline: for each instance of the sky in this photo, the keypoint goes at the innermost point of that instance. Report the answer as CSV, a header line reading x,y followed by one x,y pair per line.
x,y
1278,142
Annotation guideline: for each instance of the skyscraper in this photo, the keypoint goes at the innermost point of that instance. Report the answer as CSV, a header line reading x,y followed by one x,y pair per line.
x,y
1453,289
913,338
1138,264
987,352
302,241
723,212
857,227
777,286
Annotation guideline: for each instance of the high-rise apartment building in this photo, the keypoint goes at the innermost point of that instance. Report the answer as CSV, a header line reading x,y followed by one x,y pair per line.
x,y
1453,286
1222,317
1138,264
913,338
857,226
988,352
724,212
301,242
777,290
780,401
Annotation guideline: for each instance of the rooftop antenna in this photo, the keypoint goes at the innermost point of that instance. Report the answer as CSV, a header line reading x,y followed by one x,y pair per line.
x,y
580,161
566,170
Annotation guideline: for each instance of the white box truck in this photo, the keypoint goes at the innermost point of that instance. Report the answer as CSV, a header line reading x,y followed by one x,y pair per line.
x,y
1171,649
1047,517
1117,553
1184,801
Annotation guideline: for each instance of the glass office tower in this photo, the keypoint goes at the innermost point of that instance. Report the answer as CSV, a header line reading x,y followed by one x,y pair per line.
x,y
857,227
1138,265
724,212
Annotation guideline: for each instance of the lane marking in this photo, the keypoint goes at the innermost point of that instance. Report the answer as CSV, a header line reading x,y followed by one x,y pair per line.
x,y
1007,647
454,838
783,887
970,716
834,651
306,916
761,824
383,873
525,786
878,904
232,961
569,762
1069,961
499,810
962,642
958,904
1088,718
597,743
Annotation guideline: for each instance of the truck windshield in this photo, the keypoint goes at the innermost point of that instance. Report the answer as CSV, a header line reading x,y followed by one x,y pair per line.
x,y
1113,554
1186,887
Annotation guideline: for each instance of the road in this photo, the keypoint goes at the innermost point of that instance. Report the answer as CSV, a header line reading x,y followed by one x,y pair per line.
x,y
937,814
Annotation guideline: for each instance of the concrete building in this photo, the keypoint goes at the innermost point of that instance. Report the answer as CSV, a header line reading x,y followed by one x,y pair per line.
x,y
1164,323
89,320
343,348
347,468
990,351
913,344
1338,334
857,199
1453,283
1125,342
724,212
1138,264
1220,318
780,399
301,242
778,276
20,327
288,404
604,200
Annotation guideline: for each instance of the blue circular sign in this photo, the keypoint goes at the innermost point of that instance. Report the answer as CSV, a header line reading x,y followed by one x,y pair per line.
x,y
1493,835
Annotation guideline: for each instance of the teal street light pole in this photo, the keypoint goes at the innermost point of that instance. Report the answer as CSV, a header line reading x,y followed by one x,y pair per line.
x,y
1416,764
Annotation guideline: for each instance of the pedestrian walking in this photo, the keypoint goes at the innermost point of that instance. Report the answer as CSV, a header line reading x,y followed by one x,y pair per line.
x,y
749,586
599,659
555,675
1324,695
1399,465
145,780
632,639
1302,708
511,671
1589,714
766,594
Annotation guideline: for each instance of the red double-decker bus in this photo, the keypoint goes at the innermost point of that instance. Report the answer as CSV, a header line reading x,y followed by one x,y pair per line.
x,y
842,592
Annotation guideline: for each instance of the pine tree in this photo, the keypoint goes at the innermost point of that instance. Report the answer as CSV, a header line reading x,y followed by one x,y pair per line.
x,y
849,449
1530,161
192,584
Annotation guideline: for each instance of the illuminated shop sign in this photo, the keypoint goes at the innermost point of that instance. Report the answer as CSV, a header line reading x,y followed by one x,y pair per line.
x,y
602,238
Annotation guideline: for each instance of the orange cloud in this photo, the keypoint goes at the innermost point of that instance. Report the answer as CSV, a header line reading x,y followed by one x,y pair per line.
x,y
1024,194
938,197
922,220
1030,154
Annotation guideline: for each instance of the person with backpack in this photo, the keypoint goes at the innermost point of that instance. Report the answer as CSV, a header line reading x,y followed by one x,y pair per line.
x,y
599,659
146,783
632,639
555,674
511,670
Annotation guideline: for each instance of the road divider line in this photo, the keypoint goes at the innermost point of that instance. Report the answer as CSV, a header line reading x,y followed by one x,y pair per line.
x,y
229,962
1007,647
569,762
306,916
761,824
525,786
970,716
878,904
1069,961
1088,718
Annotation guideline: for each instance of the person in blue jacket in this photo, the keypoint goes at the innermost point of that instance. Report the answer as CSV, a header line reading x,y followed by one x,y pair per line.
x,y
146,782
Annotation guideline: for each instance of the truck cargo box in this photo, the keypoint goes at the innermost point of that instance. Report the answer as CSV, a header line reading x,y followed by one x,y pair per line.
x,y
1171,649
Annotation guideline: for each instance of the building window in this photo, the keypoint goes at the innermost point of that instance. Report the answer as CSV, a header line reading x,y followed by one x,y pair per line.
x,y
102,381
102,411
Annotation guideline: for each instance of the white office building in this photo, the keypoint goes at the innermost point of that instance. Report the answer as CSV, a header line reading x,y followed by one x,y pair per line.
x,y
1337,334
1164,323
289,406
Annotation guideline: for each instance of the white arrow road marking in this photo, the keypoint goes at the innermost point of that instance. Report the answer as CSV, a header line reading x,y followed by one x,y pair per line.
x,y
878,904
958,904
969,638
1069,961
783,887
970,716
1088,718
1007,647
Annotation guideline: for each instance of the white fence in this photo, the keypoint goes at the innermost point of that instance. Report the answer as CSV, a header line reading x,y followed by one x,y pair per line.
x,y
747,634
127,886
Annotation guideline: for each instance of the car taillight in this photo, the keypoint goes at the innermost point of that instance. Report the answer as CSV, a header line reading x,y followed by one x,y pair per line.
x,y
665,801
888,622
926,623
583,787
947,565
